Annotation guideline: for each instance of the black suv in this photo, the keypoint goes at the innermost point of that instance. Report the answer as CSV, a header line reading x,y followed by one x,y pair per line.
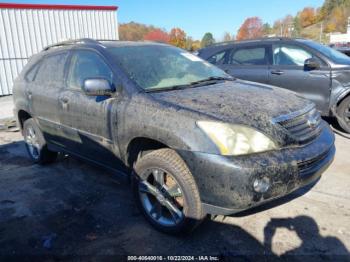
x,y
196,140
315,71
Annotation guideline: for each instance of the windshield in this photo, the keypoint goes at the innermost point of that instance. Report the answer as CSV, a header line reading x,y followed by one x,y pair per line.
x,y
334,55
160,66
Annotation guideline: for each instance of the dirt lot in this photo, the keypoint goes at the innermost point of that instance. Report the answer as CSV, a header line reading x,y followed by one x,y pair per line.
x,y
74,209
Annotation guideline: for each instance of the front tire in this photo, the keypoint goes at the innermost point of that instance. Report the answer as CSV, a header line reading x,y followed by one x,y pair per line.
x,y
166,192
343,111
36,144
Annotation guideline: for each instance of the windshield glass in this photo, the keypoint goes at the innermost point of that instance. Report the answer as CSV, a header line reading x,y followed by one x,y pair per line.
x,y
160,66
334,55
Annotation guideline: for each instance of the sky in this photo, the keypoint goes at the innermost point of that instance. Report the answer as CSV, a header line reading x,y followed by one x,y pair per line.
x,y
195,17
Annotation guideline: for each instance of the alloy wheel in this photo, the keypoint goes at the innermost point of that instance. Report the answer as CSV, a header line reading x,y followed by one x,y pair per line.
x,y
32,142
161,197
347,115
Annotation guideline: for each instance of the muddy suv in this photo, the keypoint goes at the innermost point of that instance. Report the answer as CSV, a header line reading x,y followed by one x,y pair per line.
x,y
196,140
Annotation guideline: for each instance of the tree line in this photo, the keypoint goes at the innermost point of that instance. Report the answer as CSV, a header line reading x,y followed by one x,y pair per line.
x,y
136,32
310,23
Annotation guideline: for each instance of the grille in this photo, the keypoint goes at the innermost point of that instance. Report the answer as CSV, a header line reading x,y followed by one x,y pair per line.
x,y
309,164
302,126
307,167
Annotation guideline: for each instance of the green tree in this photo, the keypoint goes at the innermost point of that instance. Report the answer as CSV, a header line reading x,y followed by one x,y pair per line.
x,y
297,27
267,29
207,40
329,5
189,43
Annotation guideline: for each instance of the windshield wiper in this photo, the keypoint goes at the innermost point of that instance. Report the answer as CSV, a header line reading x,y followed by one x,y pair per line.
x,y
167,88
213,78
206,81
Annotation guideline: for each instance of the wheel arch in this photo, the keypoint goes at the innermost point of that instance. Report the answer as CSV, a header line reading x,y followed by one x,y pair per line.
x,y
342,97
22,116
141,144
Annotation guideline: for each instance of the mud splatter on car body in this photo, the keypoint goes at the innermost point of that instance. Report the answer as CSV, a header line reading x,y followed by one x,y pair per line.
x,y
113,130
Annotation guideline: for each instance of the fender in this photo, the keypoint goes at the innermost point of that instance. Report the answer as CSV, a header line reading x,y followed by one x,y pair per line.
x,y
340,87
337,98
161,138
342,95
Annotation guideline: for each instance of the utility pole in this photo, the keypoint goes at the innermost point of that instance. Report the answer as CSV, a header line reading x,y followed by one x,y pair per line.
x,y
321,32
281,30
290,29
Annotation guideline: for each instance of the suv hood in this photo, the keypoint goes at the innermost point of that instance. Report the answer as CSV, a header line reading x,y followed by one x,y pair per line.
x,y
238,102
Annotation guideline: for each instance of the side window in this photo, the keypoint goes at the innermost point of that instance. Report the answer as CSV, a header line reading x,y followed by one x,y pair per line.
x,y
51,69
30,76
218,58
87,64
289,55
249,56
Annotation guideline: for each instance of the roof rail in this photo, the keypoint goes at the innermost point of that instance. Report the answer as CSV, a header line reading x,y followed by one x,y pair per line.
x,y
105,40
274,38
72,42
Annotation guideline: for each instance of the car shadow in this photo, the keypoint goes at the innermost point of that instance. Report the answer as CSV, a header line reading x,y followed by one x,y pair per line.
x,y
77,211
313,245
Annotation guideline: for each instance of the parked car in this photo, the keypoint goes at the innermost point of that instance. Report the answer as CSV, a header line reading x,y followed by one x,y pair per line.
x,y
197,140
315,71
344,50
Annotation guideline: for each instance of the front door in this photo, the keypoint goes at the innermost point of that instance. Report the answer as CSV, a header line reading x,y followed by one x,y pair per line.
x,y
86,120
288,71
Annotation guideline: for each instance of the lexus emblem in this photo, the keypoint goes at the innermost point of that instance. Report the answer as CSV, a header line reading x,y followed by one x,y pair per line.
x,y
312,122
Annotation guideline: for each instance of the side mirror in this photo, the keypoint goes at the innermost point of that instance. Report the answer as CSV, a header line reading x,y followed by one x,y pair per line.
x,y
311,63
97,87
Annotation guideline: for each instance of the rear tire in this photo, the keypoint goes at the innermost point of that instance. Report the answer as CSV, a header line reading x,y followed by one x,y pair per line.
x,y
343,111
36,144
163,185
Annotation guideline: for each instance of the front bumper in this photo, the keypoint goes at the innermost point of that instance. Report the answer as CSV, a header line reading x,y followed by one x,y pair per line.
x,y
225,183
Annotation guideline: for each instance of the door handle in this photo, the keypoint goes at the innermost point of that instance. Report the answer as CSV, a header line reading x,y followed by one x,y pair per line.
x,y
29,94
64,101
277,72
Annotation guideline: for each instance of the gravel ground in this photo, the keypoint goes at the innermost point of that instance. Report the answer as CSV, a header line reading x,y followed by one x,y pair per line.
x,y
77,211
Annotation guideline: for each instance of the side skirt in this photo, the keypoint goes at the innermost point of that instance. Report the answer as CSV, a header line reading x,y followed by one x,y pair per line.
x,y
123,172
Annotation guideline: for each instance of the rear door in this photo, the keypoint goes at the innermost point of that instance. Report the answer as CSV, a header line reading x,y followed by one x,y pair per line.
x,y
248,62
46,80
288,71
86,120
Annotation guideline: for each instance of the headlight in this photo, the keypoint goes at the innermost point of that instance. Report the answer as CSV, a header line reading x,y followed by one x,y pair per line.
x,y
236,139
